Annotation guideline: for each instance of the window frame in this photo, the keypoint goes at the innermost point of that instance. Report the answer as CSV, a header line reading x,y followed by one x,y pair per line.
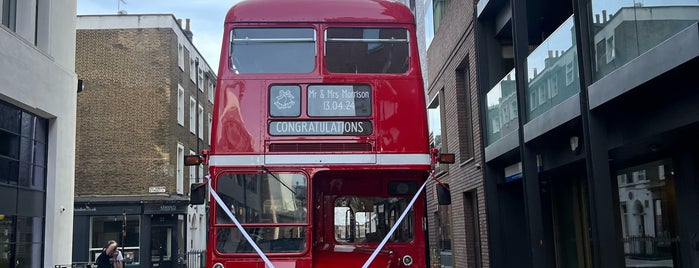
x,y
180,105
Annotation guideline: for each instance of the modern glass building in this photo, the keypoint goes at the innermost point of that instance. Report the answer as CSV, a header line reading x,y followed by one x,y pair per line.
x,y
589,109
38,89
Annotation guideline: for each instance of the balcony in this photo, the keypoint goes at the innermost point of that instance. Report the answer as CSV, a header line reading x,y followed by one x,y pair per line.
x,y
552,71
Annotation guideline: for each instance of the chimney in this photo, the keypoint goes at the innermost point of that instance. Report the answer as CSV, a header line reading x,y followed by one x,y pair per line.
x,y
597,18
550,53
535,72
187,31
604,16
179,23
558,53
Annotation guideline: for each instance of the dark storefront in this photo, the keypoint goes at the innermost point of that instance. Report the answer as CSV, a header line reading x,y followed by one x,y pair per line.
x,y
150,231
591,124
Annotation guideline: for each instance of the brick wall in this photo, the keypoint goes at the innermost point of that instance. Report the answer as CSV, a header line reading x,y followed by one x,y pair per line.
x,y
127,130
452,53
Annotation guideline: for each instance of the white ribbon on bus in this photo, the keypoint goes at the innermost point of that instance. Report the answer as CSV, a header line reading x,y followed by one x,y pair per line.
x,y
237,224
269,263
395,226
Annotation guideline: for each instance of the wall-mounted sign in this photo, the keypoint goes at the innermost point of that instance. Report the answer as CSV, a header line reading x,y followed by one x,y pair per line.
x,y
156,189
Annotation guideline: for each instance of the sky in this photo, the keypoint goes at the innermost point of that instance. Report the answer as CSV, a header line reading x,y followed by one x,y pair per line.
x,y
206,18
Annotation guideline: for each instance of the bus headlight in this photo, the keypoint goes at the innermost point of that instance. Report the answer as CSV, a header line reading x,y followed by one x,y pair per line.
x,y
218,265
407,260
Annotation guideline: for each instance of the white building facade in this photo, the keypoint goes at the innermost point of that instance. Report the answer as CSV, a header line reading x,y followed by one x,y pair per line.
x,y
38,88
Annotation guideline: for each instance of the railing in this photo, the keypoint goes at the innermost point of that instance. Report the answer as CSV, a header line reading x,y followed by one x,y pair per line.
x,y
650,246
196,259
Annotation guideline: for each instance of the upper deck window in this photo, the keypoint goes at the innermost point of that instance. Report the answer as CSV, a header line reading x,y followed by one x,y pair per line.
x,y
366,50
272,50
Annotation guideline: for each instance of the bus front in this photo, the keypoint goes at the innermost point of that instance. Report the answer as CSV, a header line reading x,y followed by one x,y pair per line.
x,y
319,139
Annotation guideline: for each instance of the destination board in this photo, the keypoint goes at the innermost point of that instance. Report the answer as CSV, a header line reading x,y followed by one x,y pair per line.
x,y
321,128
339,100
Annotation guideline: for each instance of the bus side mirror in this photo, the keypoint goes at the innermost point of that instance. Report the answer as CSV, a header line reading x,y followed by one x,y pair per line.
x,y
197,194
443,194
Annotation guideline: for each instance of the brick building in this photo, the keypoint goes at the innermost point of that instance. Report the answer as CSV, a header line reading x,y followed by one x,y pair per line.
x,y
458,232
146,102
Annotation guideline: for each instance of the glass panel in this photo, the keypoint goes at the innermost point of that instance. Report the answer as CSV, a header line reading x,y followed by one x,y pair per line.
x,y
9,144
368,219
624,29
357,50
648,214
9,118
339,100
552,75
259,50
28,125
285,100
263,198
501,101
9,170
28,255
434,114
41,130
105,228
29,229
270,239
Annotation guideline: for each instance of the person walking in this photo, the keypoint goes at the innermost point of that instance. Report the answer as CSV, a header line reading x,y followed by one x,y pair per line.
x,y
103,260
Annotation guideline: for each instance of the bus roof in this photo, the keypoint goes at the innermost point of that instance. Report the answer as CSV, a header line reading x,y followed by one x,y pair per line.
x,y
378,11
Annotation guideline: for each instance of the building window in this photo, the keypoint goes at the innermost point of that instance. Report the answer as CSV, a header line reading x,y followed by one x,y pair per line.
x,y
200,82
429,23
647,206
211,91
610,49
180,105
180,56
553,85
23,160
439,9
570,72
463,83
9,13
200,114
192,170
192,115
201,171
542,95
532,100
105,228
180,168
192,69
435,120
211,120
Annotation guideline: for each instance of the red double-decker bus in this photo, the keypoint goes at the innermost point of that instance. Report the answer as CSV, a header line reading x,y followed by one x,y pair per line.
x,y
320,146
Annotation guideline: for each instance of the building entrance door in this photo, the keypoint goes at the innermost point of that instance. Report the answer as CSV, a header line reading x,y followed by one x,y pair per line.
x,y
570,222
161,246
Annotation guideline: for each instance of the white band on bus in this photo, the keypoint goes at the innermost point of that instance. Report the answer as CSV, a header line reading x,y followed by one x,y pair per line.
x,y
240,227
395,225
